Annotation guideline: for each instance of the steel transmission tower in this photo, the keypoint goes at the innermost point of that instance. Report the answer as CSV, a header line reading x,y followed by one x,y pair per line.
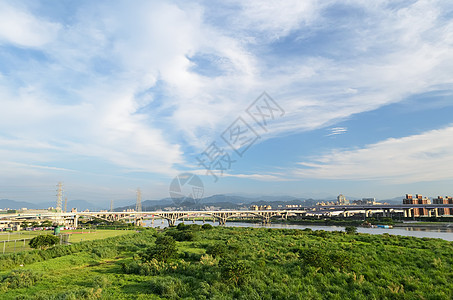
x,y
59,195
138,205
65,204
111,205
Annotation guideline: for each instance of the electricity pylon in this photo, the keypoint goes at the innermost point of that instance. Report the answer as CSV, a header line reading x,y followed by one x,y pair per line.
x,y
138,205
59,195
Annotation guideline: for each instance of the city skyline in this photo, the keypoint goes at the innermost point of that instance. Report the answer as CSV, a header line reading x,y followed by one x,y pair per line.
x,y
107,97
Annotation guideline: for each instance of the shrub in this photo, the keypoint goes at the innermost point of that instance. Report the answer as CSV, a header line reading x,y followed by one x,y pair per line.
x,y
216,250
164,250
192,227
351,229
43,241
19,279
182,236
168,287
207,227
325,259
234,271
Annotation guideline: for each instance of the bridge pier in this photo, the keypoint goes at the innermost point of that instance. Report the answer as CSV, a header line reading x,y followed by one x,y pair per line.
x,y
138,222
408,213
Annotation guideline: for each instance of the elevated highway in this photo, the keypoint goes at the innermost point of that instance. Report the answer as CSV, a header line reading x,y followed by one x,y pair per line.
x,y
72,218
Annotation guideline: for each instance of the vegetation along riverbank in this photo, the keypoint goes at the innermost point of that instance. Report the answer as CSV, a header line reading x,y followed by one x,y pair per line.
x,y
205,262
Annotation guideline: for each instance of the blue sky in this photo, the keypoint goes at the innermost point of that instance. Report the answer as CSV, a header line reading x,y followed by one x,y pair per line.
x,y
108,96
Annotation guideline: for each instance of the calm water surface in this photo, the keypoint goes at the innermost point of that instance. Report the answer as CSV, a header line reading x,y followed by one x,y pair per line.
x,y
445,233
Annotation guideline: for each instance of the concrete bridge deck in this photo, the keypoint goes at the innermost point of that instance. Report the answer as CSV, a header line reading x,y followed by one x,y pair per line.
x,y
220,215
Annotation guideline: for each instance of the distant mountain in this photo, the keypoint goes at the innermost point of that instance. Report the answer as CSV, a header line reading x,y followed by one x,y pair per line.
x,y
396,200
79,204
221,201
83,205
229,201
12,204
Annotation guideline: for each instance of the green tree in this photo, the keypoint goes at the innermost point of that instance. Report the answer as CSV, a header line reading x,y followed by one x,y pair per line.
x,y
217,250
43,241
46,223
351,229
234,271
164,249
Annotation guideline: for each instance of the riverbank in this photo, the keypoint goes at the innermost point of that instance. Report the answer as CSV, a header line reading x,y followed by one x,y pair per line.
x,y
346,222
424,224
233,263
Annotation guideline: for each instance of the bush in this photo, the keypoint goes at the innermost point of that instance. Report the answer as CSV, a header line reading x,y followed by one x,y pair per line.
x,y
43,241
351,229
216,250
207,227
234,271
192,227
18,279
181,236
325,260
164,250
168,287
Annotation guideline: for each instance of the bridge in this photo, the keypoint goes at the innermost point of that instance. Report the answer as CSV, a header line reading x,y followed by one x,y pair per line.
x,y
221,216
72,218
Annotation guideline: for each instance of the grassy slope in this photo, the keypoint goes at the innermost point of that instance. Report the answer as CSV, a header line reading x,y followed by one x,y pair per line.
x,y
355,267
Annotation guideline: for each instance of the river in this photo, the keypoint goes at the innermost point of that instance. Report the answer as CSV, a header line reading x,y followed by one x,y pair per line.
x,y
445,233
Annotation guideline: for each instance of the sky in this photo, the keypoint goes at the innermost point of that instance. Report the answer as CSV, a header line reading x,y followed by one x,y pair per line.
x,y
303,98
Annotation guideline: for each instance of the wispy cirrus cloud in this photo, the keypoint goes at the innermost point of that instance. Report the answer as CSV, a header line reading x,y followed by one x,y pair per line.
x,y
337,131
417,158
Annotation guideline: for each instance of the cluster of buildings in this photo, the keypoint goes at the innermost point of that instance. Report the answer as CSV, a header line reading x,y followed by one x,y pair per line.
x,y
421,211
342,200
260,207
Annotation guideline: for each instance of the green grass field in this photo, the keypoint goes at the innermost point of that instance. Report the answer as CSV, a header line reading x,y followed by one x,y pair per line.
x,y
233,263
15,240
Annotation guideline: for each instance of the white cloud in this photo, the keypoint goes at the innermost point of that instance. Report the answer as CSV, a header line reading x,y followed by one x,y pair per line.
x,y
118,83
423,157
277,19
337,131
21,28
